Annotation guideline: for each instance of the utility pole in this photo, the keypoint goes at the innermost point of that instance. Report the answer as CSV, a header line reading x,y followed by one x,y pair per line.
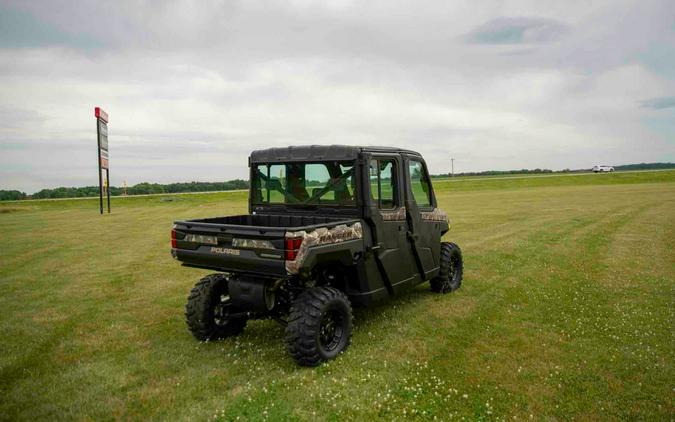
x,y
452,160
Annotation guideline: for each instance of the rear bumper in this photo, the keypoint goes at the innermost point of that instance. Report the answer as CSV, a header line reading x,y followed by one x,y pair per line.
x,y
226,259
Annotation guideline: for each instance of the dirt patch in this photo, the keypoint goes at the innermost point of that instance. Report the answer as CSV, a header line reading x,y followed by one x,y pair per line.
x,y
8,210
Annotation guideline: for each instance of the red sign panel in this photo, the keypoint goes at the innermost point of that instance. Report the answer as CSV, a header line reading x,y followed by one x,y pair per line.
x,y
100,114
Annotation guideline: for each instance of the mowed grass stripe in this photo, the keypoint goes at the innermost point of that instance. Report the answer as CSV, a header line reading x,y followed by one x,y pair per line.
x,y
556,319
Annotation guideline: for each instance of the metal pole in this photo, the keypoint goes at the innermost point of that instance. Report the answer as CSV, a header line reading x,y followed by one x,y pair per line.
x,y
98,158
453,166
107,186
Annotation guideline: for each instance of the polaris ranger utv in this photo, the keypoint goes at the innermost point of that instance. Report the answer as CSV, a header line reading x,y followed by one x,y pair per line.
x,y
328,227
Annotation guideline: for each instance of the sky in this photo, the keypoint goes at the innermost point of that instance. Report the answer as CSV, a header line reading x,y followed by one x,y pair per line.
x,y
192,87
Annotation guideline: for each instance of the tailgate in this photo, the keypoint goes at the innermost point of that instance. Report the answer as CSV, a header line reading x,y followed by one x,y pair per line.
x,y
230,247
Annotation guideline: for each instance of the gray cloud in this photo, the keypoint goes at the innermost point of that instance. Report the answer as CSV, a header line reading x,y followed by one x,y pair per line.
x,y
22,29
659,103
517,30
192,86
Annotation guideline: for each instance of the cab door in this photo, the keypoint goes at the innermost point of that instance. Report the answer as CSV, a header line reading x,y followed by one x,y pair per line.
x,y
392,252
424,233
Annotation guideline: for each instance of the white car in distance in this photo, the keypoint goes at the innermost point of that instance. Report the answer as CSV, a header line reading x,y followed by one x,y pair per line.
x,y
603,169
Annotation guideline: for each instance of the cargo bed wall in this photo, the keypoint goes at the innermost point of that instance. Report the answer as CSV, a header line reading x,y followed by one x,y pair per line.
x,y
267,220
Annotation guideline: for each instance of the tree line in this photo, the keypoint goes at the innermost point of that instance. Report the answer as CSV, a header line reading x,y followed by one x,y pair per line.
x,y
627,167
157,188
139,189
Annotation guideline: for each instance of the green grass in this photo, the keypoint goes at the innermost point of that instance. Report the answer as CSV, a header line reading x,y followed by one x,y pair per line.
x,y
541,180
566,312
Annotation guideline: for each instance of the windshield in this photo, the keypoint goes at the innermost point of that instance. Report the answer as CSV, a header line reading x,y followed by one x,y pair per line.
x,y
330,183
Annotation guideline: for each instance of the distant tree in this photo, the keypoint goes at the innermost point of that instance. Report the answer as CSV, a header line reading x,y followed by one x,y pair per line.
x,y
645,166
12,195
138,189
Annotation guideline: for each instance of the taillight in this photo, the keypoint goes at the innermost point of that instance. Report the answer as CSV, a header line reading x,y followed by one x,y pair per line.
x,y
173,238
291,248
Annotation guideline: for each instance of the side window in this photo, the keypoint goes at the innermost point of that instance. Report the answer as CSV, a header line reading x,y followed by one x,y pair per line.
x,y
383,183
419,184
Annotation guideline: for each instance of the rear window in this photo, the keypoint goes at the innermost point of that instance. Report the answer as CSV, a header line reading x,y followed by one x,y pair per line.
x,y
330,183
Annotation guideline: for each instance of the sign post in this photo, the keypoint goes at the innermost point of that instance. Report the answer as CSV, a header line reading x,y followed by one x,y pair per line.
x,y
103,157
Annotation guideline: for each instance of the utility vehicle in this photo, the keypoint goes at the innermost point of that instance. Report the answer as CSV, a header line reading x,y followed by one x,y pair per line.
x,y
328,227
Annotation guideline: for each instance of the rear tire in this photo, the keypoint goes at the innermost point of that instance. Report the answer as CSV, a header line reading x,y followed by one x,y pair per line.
x,y
450,275
319,325
207,310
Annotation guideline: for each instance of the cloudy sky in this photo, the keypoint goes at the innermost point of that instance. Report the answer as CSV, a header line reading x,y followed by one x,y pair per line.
x,y
193,86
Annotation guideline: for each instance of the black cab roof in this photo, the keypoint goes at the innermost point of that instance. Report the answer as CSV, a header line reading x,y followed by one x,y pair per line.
x,y
319,153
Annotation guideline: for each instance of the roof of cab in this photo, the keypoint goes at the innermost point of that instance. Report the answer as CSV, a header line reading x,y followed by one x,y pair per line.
x,y
319,153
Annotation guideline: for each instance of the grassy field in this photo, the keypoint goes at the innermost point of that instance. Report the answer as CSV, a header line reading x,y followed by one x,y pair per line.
x,y
566,312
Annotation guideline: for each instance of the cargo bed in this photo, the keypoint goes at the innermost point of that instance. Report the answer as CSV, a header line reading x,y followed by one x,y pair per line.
x,y
242,243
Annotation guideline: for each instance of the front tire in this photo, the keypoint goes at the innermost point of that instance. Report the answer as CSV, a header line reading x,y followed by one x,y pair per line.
x,y
450,275
208,307
319,325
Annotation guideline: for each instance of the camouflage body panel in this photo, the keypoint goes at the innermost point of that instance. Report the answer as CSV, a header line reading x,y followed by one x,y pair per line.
x,y
252,243
393,215
436,215
321,236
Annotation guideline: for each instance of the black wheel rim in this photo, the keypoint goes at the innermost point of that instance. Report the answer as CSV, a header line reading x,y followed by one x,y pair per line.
x,y
452,272
221,310
331,330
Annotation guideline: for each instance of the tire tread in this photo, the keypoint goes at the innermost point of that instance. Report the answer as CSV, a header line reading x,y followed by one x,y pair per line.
x,y
442,283
199,312
304,321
